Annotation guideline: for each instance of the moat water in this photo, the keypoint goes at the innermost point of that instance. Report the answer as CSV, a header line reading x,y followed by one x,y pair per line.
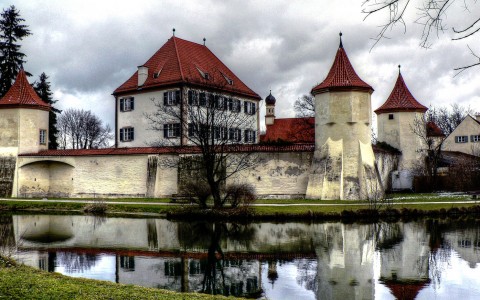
x,y
423,259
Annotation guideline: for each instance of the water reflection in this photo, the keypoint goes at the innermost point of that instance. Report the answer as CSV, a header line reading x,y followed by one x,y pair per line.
x,y
415,260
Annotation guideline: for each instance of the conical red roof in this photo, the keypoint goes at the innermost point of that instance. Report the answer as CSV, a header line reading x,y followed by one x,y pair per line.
x,y
22,94
341,76
182,61
400,99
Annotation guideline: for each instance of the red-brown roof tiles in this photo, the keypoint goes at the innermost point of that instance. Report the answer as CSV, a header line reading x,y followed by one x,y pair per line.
x,y
341,76
181,61
294,130
21,94
434,130
400,99
407,290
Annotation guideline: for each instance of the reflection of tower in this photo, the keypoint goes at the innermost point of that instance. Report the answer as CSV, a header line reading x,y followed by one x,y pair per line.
x,y
343,163
404,254
272,271
345,262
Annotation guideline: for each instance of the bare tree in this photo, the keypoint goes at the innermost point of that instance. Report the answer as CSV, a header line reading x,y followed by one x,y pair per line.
x,y
305,106
431,146
214,124
80,129
432,15
447,119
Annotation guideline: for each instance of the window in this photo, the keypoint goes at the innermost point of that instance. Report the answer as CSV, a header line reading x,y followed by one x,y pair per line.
x,y
171,130
192,97
220,133
475,138
235,134
43,137
233,105
127,263
220,102
126,134
250,136
192,129
461,139
126,104
171,98
390,116
249,108
203,99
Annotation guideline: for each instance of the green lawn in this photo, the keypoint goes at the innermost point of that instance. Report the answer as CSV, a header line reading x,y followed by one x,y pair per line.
x,y
21,282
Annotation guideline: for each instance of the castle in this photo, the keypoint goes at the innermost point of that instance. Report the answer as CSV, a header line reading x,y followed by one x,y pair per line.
x,y
326,157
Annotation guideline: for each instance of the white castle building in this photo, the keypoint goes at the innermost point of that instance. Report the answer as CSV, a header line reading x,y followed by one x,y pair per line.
x,y
326,157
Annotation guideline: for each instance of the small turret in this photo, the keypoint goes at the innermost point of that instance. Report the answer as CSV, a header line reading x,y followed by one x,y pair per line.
x,y
270,105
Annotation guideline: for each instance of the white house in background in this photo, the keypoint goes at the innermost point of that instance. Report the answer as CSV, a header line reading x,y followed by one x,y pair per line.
x,y
179,74
466,137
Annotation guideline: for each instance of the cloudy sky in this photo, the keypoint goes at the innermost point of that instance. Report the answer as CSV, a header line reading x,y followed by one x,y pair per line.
x,y
88,48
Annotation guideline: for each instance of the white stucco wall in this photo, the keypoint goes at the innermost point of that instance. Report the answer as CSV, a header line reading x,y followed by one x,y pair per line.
x,y
467,127
143,105
398,133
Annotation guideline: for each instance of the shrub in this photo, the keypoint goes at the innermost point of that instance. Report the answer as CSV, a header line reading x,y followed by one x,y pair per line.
x,y
198,191
98,207
240,194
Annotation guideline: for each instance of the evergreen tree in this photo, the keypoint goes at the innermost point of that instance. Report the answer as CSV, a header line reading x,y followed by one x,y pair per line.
x,y
11,59
43,90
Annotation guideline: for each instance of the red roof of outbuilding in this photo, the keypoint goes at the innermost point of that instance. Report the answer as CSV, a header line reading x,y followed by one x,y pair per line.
x,y
407,290
434,130
181,61
400,99
22,94
294,130
342,76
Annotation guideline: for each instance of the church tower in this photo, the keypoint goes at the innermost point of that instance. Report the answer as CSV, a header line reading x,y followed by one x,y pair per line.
x,y
343,166
395,119
23,119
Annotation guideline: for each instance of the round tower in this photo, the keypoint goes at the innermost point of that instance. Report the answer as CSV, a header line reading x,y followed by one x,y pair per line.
x,y
23,119
395,120
343,164
270,105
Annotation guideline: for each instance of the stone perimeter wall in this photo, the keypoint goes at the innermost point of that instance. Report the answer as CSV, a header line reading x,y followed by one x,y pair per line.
x,y
276,175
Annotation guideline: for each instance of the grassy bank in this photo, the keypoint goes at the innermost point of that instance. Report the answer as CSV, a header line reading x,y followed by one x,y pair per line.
x,y
21,282
398,205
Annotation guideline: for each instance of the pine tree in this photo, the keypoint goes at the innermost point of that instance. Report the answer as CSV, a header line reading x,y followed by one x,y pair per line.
x,y
43,90
11,59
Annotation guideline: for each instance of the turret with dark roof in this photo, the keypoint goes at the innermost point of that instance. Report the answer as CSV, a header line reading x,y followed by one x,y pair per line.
x,y
21,94
400,99
342,75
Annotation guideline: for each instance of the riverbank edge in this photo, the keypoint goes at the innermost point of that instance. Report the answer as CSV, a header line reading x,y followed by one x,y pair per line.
x,y
248,214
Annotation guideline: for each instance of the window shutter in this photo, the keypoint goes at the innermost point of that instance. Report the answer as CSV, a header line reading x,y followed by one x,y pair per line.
x,y
165,130
253,108
122,104
132,103
190,129
245,138
254,136
210,101
176,129
245,104
165,98
203,99
239,137
190,97
177,97
133,133
121,134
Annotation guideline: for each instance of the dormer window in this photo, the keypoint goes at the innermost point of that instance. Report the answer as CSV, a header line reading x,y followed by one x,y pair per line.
x,y
204,75
229,81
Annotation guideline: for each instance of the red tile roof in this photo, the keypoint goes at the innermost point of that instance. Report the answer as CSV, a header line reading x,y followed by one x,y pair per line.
x,y
434,130
341,76
400,99
295,130
22,94
181,61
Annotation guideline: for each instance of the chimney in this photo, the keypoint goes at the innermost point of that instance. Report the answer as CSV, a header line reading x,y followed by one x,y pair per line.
x,y
142,75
